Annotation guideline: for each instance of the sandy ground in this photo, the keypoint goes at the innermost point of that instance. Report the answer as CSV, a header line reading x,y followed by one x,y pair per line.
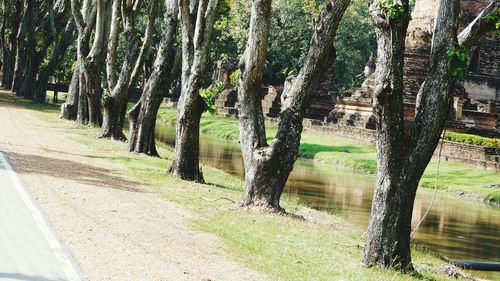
x,y
114,227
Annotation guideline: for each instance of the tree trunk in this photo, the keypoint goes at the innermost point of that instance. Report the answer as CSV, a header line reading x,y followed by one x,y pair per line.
x,y
267,167
27,87
3,27
58,50
401,162
10,52
196,33
115,104
10,44
89,84
187,138
20,58
70,107
143,115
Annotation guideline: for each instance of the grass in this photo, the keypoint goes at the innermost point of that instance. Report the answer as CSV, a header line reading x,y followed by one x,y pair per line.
x,y
493,197
337,151
282,247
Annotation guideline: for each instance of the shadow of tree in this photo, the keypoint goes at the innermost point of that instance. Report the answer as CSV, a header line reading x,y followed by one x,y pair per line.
x,y
66,169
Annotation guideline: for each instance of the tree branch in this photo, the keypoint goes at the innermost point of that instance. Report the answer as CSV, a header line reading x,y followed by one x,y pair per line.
x,y
111,73
436,94
480,25
145,44
77,14
99,31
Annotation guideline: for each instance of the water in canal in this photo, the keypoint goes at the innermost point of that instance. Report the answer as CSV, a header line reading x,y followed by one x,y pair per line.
x,y
455,228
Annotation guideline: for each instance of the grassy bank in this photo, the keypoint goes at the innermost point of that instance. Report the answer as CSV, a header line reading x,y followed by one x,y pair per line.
x,y
463,179
282,247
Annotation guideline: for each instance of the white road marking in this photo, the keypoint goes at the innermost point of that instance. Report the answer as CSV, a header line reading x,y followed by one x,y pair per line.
x,y
56,246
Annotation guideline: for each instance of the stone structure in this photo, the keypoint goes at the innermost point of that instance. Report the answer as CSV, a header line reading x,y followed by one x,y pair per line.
x,y
227,101
477,109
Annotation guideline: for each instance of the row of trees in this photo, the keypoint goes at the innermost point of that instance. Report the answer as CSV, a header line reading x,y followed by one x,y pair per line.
x,y
34,36
102,80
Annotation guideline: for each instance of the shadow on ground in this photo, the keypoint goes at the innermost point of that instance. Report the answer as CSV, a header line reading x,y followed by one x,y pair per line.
x,y
83,173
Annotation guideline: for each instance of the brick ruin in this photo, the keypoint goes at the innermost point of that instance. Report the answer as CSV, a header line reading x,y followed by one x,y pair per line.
x,y
227,101
476,108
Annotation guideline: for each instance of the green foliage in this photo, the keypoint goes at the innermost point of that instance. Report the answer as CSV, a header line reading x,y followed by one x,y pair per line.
x,y
494,18
472,139
209,94
234,77
354,42
458,58
290,34
393,8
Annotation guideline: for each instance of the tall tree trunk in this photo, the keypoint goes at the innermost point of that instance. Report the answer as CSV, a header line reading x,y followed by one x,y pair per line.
x,y
196,33
401,162
84,16
58,50
89,60
143,115
267,167
27,87
388,108
3,27
69,108
20,57
10,43
116,103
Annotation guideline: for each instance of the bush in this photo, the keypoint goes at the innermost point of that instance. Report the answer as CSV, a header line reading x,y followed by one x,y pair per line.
x,y
472,139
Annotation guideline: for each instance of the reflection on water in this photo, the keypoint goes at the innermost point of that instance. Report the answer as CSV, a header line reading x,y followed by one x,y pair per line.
x,y
453,228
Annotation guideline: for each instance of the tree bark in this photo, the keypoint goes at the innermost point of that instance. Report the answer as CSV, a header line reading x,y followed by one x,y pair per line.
x,y
27,86
143,115
89,80
115,103
267,167
196,32
402,161
401,167
69,109
20,53
10,44
59,48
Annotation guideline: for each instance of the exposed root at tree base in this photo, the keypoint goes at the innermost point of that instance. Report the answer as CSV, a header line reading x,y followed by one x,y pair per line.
x,y
121,138
267,209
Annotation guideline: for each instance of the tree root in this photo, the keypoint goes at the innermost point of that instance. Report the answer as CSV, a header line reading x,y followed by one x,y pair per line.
x,y
207,199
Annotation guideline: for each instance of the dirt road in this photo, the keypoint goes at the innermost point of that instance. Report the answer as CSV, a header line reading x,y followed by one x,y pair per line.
x,y
115,228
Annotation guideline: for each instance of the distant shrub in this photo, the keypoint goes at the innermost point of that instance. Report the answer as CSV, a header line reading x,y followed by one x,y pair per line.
x,y
472,139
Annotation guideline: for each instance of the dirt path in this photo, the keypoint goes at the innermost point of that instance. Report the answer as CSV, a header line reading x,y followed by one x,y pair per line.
x,y
114,227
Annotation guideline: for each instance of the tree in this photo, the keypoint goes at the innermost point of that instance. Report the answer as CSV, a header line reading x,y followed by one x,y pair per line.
x,y
166,66
197,21
403,158
291,30
267,166
69,109
115,102
23,79
89,60
11,20
61,40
